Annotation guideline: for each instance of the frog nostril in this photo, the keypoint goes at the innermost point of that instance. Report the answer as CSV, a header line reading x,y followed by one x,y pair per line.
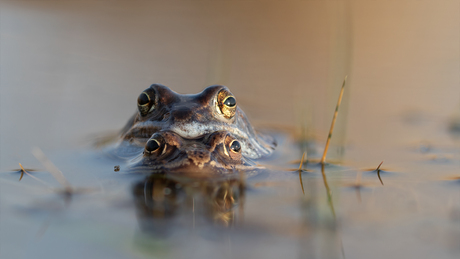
x,y
166,116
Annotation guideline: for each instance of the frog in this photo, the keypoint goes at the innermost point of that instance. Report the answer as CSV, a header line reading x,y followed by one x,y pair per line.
x,y
191,117
216,153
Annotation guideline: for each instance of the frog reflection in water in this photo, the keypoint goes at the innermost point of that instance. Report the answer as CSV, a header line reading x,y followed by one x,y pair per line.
x,y
183,131
161,197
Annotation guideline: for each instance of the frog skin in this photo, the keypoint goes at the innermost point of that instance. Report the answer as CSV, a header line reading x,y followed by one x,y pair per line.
x,y
215,153
191,116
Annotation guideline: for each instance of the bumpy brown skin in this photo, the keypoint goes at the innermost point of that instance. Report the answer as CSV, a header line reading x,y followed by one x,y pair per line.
x,y
192,116
211,154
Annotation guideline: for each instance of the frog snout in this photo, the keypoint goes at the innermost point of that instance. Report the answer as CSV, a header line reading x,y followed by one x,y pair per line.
x,y
198,156
182,114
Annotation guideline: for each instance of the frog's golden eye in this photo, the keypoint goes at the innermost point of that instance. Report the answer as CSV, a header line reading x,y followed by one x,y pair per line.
x,y
226,104
146,101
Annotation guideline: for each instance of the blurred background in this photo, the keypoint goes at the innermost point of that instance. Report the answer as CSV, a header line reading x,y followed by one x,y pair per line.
x,y
72,70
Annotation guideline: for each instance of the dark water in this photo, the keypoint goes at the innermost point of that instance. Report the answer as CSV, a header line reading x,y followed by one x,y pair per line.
x,y
71,71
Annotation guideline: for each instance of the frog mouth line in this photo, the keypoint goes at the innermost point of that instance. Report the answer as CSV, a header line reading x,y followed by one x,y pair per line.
x,y
186,165
190,130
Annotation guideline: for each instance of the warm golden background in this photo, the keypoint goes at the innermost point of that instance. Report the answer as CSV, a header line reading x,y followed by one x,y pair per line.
x,y
72,68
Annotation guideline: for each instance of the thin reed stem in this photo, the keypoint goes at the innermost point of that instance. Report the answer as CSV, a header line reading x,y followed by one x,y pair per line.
x,y
323,159
300,172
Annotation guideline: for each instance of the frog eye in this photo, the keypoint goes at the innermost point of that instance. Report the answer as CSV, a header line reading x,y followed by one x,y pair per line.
x,y
146,101
235,146
230,101
226,104
154,144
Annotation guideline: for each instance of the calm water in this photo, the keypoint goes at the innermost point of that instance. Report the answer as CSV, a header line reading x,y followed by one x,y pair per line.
x,y
71,71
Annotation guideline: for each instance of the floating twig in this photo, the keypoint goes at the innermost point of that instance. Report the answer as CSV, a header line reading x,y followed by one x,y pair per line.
x,y
300,173
378,167
378,172
22,171
52,169
68,190
301,161
323,159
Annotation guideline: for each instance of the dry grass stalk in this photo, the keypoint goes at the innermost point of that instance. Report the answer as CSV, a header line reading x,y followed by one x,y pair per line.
x,y
378,172
300,172
323,159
